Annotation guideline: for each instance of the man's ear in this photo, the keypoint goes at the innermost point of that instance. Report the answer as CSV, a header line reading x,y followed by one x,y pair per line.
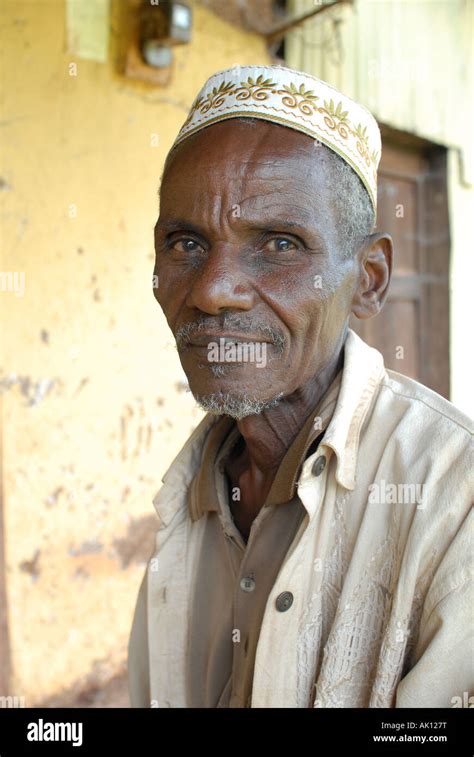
x,y
375,269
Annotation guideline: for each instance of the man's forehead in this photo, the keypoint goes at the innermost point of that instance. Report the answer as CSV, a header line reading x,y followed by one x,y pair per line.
x,y
264,176
286,216
271,157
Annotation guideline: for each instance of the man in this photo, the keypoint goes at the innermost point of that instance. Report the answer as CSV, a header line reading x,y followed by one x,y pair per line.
x,y
313,537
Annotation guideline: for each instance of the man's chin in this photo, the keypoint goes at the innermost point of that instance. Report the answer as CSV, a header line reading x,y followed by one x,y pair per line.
x,y
235,405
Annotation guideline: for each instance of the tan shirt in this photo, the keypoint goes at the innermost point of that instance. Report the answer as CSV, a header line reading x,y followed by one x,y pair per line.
x,y
379,570
233,579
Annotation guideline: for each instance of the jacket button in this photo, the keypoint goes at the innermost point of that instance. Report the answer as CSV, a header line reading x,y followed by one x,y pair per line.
x,y
284,601
319,465
247,584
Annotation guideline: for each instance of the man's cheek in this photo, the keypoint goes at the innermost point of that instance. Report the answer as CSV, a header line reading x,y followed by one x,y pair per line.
x,y
168,287
167,302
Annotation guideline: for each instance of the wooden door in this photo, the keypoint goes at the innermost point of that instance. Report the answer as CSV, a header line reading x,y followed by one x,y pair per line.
x,y
412,330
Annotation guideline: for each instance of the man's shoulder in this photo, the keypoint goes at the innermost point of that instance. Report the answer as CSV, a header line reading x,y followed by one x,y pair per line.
x,y
424,406
171,496
429,438
190,452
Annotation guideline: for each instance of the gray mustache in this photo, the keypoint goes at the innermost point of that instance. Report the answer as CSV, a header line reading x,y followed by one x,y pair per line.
x,y
230,322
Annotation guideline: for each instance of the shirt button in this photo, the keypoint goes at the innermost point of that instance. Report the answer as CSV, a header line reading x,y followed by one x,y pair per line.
x,y
319,465
284,601
247,584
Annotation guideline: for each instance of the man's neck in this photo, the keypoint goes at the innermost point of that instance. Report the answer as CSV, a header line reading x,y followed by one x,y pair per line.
x,y
265,438
269,435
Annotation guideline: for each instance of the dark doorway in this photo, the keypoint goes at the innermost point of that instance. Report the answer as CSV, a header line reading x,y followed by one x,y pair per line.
x,y
412,330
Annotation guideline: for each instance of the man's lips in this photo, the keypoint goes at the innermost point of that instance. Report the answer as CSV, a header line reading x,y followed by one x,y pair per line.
x,y
203,340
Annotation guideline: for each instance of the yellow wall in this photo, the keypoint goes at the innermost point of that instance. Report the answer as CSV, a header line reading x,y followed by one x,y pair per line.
x,y
411,62
84,453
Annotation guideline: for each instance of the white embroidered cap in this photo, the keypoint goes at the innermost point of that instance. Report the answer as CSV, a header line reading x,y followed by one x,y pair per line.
x,y
297,100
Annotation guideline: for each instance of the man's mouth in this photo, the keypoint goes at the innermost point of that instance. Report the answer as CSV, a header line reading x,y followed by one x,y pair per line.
x,y
227,335
204,340
227,349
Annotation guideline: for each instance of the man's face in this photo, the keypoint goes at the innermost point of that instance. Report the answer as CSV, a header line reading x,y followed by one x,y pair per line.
x,y
247,250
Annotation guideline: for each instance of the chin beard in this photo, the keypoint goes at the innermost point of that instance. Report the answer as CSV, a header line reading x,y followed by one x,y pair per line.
x,y
237,406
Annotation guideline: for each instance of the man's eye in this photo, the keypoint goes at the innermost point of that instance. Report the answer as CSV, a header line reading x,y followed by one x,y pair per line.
x,y
279,244
186,245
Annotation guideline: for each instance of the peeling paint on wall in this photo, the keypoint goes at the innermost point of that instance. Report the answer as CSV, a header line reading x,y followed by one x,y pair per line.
x,y
33,391
138,543
31,566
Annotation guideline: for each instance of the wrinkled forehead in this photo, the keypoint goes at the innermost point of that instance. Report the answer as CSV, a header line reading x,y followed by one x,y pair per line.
x,y
247,156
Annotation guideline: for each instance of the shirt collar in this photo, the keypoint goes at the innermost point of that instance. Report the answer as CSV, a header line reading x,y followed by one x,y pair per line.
x,y
284,486
202,494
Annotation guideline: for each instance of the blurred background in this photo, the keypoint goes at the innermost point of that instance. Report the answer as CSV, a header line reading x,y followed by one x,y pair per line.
x,y
93,401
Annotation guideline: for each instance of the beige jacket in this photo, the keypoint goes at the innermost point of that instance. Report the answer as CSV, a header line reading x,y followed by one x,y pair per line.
x,y
380,569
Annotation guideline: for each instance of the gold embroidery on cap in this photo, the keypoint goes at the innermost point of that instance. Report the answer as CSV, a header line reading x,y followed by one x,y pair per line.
x,y
292,97
328,120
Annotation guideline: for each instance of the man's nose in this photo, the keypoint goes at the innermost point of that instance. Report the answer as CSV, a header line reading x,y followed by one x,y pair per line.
x,y
221,283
